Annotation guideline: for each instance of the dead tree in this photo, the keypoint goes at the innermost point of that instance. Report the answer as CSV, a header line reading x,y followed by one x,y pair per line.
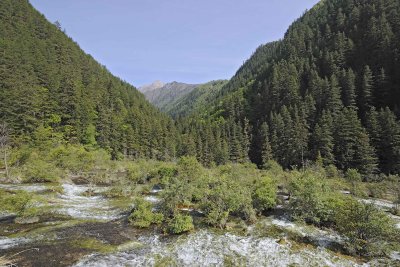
x,y
4,141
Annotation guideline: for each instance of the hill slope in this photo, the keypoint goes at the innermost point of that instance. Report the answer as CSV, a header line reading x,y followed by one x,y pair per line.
x,y
195,101
48,82
328,91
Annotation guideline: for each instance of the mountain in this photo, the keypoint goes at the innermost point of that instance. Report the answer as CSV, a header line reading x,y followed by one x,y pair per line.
x,y
328,91
166,95
50,88
148,88
196,100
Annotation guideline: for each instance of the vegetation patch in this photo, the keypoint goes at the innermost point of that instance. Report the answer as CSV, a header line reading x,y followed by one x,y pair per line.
x,y
93,245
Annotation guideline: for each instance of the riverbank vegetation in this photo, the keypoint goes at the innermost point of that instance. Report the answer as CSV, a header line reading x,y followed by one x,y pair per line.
x,y
187,195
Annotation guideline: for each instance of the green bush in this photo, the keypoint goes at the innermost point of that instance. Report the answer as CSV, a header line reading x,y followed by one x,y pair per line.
x,y
189,168
166,173
119,191
331,171
366,228
264,195
143,216
353,176
73,158
180,224
37,170
142,171
16,202
308,199
355,179
273,167
177,192
227,197
377,190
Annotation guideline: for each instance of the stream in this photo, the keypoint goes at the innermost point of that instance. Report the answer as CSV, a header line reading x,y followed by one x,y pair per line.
x,y
93,231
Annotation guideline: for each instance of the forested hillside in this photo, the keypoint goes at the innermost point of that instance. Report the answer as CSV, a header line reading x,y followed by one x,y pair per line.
x,y
196,101
50,88
329,91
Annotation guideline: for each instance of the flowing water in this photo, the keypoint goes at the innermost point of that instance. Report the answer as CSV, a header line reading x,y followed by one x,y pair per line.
x,y
208,248
75,203
268,243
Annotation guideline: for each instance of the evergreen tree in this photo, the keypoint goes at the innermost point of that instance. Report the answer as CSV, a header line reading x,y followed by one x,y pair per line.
x,y
388,145
348,83
352,147
322,139
366,91
334,102
266,149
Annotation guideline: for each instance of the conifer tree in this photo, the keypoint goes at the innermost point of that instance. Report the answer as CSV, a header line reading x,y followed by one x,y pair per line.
x,y
266,150
348,81
322,139
388,145
334,102
366,91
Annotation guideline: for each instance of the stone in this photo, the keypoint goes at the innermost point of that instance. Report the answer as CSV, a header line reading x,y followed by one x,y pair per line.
x,y
26,220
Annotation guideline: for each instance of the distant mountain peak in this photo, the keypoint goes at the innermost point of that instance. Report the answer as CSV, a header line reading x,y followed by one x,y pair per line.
x,y
153,86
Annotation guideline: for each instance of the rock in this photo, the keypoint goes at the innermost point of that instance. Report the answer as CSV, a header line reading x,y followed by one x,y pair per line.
x,y
4,217
26,220
79,180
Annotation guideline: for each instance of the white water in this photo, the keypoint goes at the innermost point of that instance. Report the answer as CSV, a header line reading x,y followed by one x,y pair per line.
x,y
73,203
322,238
152,199
205,248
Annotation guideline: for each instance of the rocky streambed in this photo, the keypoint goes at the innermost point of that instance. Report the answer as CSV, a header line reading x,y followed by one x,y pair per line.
x,y
81,227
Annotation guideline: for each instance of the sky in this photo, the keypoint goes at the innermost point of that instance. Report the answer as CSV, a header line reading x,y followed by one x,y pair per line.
x,y
191,41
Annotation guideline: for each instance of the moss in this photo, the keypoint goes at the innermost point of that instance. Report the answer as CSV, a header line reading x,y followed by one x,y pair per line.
x,y
129,246
94,245
165,262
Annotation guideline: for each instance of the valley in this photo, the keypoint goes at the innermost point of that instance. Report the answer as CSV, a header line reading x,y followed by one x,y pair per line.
x,y
293,161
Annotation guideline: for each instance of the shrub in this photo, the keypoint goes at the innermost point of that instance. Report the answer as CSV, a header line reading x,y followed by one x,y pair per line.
x,y
40,171
119,191
331,171
264,195
166,173
308,199
354,177
224,198
143,216
365,228
15,202
176,193
189,168
180,224
273,167
73,158
142,171
377,190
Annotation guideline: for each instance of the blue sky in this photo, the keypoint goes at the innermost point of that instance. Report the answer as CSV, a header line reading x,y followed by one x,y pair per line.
x,y
190,41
